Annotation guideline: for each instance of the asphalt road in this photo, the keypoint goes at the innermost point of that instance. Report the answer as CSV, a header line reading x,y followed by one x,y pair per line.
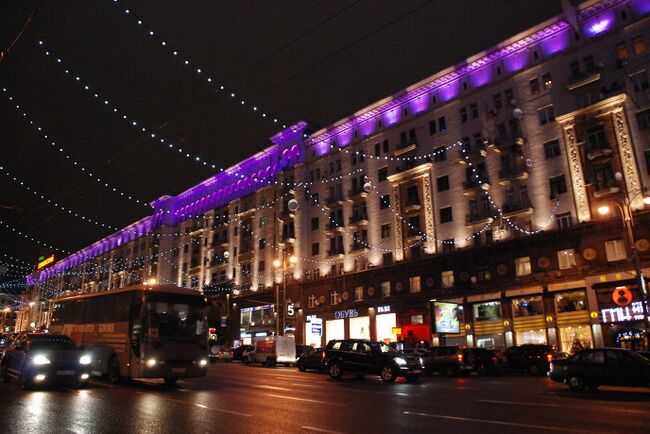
x,y
250,399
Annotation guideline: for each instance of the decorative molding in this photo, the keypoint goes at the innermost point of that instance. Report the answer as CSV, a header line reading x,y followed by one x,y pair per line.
x,y
628,161
430,241
577,178
397,208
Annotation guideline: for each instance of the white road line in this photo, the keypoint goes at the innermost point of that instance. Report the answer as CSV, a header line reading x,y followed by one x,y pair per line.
x,y
534,404
293,398
313,428
498,422
305,385
264,386
220,410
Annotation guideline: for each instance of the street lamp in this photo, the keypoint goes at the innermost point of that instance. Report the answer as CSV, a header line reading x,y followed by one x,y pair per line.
x,y
282,264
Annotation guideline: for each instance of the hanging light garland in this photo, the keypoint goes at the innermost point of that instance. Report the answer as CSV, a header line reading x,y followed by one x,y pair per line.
x,y
32,239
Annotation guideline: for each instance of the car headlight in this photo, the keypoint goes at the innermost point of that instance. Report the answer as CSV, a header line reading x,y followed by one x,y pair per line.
x,y
151,363
85,360
400,361
421,362
203,363
40,359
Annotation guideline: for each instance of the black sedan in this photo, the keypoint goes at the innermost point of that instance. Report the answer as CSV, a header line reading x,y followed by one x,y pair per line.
x,y
35,359
602,367
312,360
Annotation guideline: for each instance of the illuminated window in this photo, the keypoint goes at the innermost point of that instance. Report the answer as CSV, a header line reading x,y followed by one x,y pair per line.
x,y
522,266
415,284
385,289
358,293
447,279
547,81
570,301
566,259
527,306
488,311
622,52
639,45
615,250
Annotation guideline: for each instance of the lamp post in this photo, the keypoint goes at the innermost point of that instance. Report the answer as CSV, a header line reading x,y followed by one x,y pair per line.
x,y
282,264
624,205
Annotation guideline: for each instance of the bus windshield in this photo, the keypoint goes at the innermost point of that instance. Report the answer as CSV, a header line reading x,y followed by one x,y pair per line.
x,y
176,317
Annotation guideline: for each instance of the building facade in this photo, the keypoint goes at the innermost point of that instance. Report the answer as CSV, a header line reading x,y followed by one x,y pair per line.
x,y
480,193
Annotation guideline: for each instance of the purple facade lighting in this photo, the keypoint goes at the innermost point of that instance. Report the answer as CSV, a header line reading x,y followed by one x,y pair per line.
x,y
599,24
641,6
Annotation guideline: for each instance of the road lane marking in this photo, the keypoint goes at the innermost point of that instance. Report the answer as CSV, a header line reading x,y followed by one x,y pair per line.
x,y
539,404
294,398
499,422
264,386
305,385
220,410
313,428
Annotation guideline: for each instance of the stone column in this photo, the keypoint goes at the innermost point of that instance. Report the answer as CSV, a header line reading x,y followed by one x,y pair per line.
x,y
429,225
583,212
397,218
628,160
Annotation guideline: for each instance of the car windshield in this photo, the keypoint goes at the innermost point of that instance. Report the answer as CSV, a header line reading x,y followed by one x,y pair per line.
x,y
51,343
176,317
382,347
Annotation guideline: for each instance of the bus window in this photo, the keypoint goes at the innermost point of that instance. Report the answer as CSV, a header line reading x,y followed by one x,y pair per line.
x,y
91,310
105,309
58,313
176,319
122,307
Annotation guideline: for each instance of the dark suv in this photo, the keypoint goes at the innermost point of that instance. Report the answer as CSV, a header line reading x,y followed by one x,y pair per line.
x,y
363,357
533,358
449,360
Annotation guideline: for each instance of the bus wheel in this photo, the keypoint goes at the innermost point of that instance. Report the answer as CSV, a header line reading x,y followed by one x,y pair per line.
x,y
114,370
170,382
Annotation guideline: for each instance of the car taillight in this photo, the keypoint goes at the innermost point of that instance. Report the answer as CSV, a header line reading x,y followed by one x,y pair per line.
x,y
549,357
459,357
323,355
494,358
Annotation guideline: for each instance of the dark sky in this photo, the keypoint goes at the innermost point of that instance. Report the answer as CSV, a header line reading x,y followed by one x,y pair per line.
x,y
318,60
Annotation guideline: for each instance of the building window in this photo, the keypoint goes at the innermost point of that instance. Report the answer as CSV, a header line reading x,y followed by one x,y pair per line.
x,y
387,258
432,127
415,284
570,302
385,231
262,243
527,306
557,185
643,120
447,279
446,215
334,298
546,115
552,149
522,266
358,293
647,161
385,289
566,259
315,222
621,51
640,80
615,250
564,221
547,81
263,221
315,249
384,201
382,174
311,301
534,86
639,45
488,311
448,245
440,154
377,149
496,99
261,265
442,124
473,108
385,146
443,183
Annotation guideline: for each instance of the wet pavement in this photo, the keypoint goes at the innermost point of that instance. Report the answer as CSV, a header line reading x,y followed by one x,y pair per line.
x,y
234,398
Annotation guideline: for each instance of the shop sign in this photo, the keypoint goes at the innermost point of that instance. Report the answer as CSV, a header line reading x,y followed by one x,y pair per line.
x,y
291,310
622,296
317,328
633,312
396,330
310,318
44,262
383,309
348,313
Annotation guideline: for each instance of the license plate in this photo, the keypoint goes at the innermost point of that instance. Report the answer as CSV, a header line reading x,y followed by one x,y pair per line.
x,y
179,370
66,372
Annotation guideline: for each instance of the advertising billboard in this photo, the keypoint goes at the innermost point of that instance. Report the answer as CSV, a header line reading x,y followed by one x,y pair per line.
x,y
448,317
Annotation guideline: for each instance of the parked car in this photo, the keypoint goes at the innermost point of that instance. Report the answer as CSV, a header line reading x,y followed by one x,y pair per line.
x,y
272,350
314,359
531,358
489,362
449,360
602,367
363,357
303,349
223,353
44,359
238,352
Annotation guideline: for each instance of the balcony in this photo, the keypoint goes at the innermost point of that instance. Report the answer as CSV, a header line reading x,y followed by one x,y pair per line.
x,y
412,204
405,147
472,187
517,207
358,245
289,236
507,143
606,187
334,201
578,80
478,217
219,241
358,219
336,252
335,226
472,152
357,193
509,174
598,150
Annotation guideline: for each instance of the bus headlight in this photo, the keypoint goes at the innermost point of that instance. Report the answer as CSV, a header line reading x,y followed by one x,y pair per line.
x,y
203,363
40,359
85,360
151,363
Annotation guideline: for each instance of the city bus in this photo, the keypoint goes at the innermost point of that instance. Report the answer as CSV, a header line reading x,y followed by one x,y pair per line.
x,y
141,331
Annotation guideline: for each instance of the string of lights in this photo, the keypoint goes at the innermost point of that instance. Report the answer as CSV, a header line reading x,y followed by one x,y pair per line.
x,y
32,239
46,138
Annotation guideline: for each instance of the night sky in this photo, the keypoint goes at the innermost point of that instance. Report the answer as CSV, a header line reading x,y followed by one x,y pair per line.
x,y
317,60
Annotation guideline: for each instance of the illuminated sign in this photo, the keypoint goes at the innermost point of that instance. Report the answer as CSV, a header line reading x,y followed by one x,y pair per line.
x,y
396,330
45,262
622,296
291,310
348,313
633,312
383,309
448,317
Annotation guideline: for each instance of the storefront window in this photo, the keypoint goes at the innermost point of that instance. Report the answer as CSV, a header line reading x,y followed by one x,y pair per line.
x,y
575,338
487,311
313,332
385,324
335,329
490,341
527,306
415,284
417,319
571,301
385,289
531,337
360,327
